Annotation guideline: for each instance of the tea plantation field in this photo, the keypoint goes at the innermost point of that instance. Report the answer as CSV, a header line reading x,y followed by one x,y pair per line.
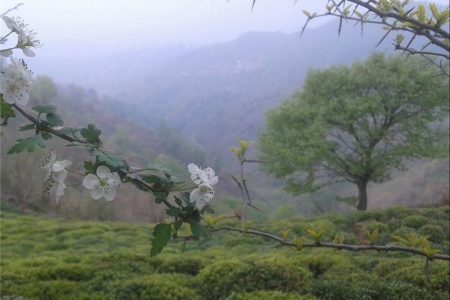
x,y
48,258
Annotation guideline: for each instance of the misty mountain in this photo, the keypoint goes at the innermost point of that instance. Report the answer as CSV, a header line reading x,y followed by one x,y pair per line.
x,y
219,93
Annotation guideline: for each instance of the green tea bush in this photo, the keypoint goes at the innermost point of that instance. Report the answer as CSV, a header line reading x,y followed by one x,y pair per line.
x,y
438,213
403,232
49,290
345,285
269,295
388,265
435,233
406,291
63,272
435,279
154,287
362,216
183,265
219,280
395,213
415,221
318,264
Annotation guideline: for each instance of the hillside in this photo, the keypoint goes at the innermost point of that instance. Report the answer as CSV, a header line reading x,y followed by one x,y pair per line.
x,y
44,258
219,93
78,107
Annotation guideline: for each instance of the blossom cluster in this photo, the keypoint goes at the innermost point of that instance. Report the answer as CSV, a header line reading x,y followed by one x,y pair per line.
x,y
205,181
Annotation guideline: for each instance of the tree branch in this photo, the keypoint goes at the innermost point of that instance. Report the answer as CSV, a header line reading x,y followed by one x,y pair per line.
x,y
284,242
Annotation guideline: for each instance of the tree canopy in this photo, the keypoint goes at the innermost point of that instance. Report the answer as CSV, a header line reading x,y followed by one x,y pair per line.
x,y
356,124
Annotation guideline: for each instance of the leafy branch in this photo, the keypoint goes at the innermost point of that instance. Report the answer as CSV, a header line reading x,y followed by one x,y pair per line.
x,y
318,244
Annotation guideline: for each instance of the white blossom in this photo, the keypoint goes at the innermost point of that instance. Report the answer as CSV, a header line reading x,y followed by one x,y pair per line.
x,y
15,25
55,183
102,185
15,83
202,195
53,165
205,180
25,42
199,176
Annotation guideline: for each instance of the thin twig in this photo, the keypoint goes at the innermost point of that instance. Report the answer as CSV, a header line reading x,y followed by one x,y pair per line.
x,y
11,9
284,242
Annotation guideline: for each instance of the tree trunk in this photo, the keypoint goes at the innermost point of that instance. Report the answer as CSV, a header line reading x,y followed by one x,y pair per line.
x,y
362,195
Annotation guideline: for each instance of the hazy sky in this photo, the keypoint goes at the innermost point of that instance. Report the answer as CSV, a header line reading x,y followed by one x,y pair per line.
x,y
109,28
85,26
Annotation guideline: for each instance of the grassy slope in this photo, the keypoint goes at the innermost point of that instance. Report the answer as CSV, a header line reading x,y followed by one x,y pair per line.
x,y
57,259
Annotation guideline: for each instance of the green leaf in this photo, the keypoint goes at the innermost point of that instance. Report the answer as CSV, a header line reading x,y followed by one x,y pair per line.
x,y
178,201
46,135
160,196
161,236
89,166
209,209
46,109
54,120
91,134
198,230
113,162
6,110
27,127
173,211
29,144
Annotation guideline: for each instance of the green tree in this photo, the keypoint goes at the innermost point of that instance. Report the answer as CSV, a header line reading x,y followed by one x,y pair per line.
x,y
356,124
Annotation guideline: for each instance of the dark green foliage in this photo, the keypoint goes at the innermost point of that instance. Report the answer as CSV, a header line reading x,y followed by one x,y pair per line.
x,y
6,110
183,265
45,109
43,258
222,278
54,120
415,221
435,233
30,144
269,295
161,236
155,287
91,134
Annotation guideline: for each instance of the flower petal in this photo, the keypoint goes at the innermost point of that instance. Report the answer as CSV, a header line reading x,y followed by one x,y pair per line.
x,y
193,168
114,180
23,99
6,52
61,165
60,189
212,181
195,196
110,194
103,172
28,52
91,182
97,193
61,176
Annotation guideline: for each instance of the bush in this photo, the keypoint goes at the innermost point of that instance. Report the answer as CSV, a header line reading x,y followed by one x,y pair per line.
x,y
221,279
63,272
435,233
269,295
154,287
319,264
415,221
344,285
49,290
183,265
406,291
436,278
